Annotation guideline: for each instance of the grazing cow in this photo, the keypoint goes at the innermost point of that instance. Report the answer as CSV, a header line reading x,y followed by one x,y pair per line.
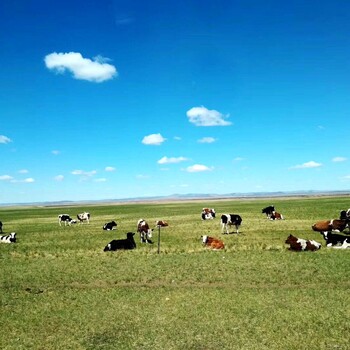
x,y
276,216
121,244
345,245
230,220
0,226
109,226
161,223
208,213
300,244
66,219
84,217
268,211
212,243
333,239
330,225
144,231
11,238
345,215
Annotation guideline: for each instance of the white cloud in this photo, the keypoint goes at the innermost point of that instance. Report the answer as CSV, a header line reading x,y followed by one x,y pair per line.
x,y
28,180
153,139
347,177
96,70
6,178
307,165
197,168
207,140
59,178
4,139
339,159
84,173
23,171
171,160
101,179
238,159
109,169
55,152
177,138
201,116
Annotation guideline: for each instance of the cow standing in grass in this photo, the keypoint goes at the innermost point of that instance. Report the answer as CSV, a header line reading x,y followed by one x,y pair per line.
x,y
84,217
145,231
228,220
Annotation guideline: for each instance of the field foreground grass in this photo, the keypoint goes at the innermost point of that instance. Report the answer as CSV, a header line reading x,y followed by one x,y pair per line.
x,y
59,290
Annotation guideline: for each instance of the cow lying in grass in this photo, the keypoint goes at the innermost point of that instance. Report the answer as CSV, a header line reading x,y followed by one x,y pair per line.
x,y
161,223
121,244
212,243
299,244
276,216
345,245
109,226
11,238
333,239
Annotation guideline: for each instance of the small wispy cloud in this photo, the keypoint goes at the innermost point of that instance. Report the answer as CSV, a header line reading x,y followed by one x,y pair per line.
x,y
84,173
27,180
5,139
59,178
198,168
101,179
238,159
346,178
6,178
206,140
55,152
110,169
142,176
171,160
339,159
307,165
153,140
94,70
201,116
23,171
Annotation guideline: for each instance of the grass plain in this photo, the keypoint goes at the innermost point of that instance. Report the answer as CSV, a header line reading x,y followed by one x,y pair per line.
x,y
59,290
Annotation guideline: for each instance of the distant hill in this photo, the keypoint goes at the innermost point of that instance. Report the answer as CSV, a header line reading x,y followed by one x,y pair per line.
x,y
189,196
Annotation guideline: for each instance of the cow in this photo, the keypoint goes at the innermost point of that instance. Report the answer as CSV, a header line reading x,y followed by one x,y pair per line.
x,y
276,216
145,231
345,245
66,219
330,225
109,226
0,226
161,223
268,211
344,215
84,217
212,243
11,238
121,244
208,213
230,220
300,244
333,239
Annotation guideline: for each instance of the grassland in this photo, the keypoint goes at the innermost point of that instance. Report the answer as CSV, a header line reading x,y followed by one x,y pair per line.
x,y
59,290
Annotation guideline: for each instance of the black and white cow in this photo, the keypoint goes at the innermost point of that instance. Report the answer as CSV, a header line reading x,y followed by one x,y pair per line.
x,y
268,211
208,213
333,239
145,231
66,219
11,238
230,220
345,215
84,217
109,226
0,226
121,244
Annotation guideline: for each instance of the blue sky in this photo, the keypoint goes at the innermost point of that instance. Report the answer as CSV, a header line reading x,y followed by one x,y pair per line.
x,y
122,99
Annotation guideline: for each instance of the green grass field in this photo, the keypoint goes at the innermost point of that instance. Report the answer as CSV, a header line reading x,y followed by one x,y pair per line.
x,y
59,290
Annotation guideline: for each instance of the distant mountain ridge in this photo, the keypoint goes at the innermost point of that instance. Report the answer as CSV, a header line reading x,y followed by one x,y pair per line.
x,y
184,197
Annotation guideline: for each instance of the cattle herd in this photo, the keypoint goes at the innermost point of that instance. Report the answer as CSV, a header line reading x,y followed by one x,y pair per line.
x,y
329,229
